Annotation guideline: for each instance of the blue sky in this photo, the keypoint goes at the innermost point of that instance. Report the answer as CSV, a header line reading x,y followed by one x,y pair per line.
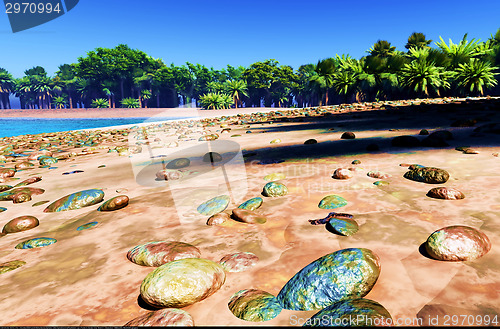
x,y
220,32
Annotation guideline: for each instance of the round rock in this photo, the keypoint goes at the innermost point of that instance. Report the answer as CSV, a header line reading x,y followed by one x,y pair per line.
x,y
86,226
218,219
378,175
446,193
457,243
252,204
254,305
76,200
158,253
163,318
332,201
20,224
348,135
343,226
247,216
118,202
344,274
182,282
341,173
429,175
35,243
274,189
238,262
214,205
360,311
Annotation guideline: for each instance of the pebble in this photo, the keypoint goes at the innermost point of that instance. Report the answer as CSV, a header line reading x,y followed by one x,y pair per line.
x,y
341,173
157,253
168,317
275,141
36,243
310,141
214,205
72,172
247,216
348,135
254,305
332,201
182,282
218,219
457,243
344,274
275,189
429,175
10,266
76,200
169,174
381,183
446,193
29,181
378,175
21,223
86,226
252,204
238,262
356,162
118,202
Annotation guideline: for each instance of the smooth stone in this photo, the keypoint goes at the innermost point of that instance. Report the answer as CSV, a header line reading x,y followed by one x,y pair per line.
x,y
344,226
310,141
470,151
405,141
39,203
7,172
118,202
352,312
86,226
72,172
442,134
275,141
10,194
378,174
214,205
102,166
332,201
29,181
446,193
274,189
5,188
21,223
10,266
356,162
348,135
21,197
24,165
252,204
47,161
344,274
76,200
169,174
238,262
2,209
457,243
121,190
424,132
212,157
341,173
429,175
182,282
274,177
178,163
247,216
254,305
218,219
36,243
381,183
168,317
157,253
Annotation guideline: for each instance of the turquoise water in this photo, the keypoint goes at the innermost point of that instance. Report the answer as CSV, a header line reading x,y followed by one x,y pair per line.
x,y
21,126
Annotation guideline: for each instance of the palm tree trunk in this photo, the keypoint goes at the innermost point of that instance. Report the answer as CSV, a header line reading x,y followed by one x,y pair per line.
x,y
48,101
326,102
70,100
158,100
109,100
235,102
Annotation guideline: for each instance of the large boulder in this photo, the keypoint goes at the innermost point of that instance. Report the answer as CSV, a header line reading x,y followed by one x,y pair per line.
x,y
457,243
429,175
344,274
182,282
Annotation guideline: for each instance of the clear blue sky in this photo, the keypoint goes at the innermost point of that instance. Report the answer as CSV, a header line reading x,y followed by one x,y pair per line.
x,y
239,32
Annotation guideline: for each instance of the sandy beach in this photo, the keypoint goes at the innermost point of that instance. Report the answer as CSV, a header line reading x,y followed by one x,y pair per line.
x,y
86,279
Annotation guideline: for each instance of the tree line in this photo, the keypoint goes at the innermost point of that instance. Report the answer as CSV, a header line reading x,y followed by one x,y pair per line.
x,y
125,77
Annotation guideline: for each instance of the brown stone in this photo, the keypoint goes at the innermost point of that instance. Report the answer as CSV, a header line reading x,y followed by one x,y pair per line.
x,y
247,216
446,193
218,218
341,173
20,224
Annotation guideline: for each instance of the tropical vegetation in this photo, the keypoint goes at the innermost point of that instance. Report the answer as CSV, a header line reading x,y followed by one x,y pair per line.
x,y
129,78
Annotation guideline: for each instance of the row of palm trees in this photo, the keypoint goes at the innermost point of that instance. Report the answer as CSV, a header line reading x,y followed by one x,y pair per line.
x,y
127,77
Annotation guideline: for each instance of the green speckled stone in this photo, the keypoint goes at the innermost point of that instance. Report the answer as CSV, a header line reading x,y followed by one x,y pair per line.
x,y
182,282
343,226
274,189
344,274
86,226
9,266
214,205
352,312
9,195
332,202
36,243
356,162
381,183
274,177
457,243
254,305
76,200
252,204
47,161
2,209
118,202
428,175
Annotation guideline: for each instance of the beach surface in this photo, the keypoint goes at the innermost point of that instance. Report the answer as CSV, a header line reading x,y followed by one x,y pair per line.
x,y
85,278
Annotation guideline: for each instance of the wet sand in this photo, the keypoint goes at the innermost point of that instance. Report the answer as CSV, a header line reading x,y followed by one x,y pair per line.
x,y
85,279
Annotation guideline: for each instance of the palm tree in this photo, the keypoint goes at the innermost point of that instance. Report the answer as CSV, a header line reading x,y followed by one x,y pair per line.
x,y
59,102
6,88
130,103
145,97
382,48
68,81
43,88
462,52
109,94
82,87
100,103
422,76
215,87
236,88
216,101
417,41
476,75
24,90
325,73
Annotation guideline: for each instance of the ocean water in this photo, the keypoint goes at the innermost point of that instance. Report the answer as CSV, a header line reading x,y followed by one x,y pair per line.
x,y
21,126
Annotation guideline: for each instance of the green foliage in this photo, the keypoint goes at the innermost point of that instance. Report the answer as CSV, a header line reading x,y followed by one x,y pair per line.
x,y
417,41
216,101
59,102
475,75
423,76
100,103
130,103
